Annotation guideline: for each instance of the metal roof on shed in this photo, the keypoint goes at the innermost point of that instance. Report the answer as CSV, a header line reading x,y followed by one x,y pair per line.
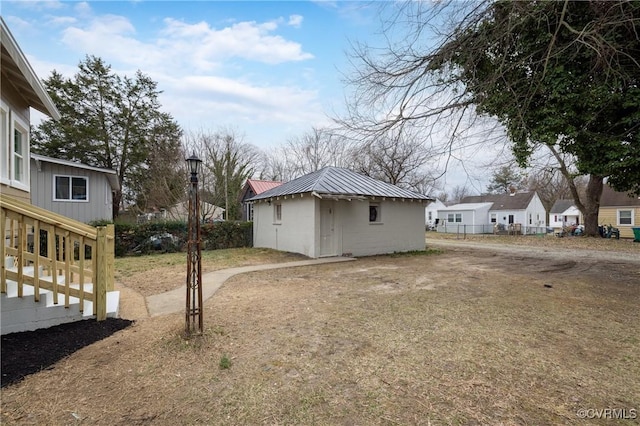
x,y
260,186
336,181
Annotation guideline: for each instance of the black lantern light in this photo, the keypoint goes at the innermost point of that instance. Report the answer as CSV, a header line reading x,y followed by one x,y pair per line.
x,y
194,164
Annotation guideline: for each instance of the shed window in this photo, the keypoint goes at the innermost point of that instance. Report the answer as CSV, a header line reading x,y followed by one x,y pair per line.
x,y
625,217
277,212
71,188
374,212
493,218
454,217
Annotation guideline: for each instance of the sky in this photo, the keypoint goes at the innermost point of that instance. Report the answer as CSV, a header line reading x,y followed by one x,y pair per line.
x,y
270,70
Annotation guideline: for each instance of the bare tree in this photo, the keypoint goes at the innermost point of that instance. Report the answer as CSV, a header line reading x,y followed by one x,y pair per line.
x,y
318,148
457,193
564,74
398,157
227,163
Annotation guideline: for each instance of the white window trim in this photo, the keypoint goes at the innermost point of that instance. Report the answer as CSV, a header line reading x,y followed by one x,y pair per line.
x,y
5,155
70,200
632,217
378,220
277,220
16,122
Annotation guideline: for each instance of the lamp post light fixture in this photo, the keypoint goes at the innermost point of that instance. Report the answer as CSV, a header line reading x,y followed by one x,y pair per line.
x,y
194,254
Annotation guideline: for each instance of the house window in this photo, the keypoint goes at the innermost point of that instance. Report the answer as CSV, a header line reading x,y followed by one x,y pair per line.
x,y
511,219
374,213
277,212
14,158
493,218
454,217
430,216
530,218
19,142
625,217
71,188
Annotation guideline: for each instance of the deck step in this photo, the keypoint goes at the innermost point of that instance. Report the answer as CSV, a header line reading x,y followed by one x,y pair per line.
x,y
25,313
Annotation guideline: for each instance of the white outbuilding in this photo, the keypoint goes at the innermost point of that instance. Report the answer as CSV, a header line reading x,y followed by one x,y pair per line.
x,y
337,212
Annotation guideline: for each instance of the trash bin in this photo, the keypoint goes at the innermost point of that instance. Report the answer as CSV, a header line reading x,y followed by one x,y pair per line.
x,y
636,235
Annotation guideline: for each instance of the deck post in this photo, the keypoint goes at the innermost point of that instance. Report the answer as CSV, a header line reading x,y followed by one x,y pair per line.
x,y
104,265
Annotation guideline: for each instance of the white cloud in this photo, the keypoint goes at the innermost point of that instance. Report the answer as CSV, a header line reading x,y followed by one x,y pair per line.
x,y
61,21
295,21
247,40
209,76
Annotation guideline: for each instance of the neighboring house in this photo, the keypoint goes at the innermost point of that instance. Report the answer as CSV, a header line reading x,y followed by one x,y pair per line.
x,y
337,212
180,211
431,212
620,210
564,213
74,190
470,218
251,188
521,212
20,90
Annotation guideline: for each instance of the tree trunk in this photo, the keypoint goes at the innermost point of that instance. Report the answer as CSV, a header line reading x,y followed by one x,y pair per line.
x,y
115,205
592,205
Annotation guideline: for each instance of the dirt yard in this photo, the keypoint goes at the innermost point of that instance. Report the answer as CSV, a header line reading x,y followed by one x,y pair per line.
x,y
458,335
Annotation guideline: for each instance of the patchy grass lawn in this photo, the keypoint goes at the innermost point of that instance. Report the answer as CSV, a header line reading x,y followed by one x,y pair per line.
x,y
157,273
624,245
471,337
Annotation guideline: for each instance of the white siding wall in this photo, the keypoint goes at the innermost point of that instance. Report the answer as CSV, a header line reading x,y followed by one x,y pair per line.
x,y
476,221
296,231
537,212
572,216
401,228
433,209
100,197
502,216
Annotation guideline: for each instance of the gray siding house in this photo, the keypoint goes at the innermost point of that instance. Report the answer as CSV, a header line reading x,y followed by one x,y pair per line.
x,y
74,190
337,212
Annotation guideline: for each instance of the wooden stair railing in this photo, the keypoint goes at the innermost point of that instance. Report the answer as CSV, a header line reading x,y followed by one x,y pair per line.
x,y
61,247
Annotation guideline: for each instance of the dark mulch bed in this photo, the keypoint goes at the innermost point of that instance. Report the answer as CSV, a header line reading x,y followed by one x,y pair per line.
x,y
32,351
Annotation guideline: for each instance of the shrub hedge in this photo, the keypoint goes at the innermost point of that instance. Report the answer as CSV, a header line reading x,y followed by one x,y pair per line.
x,y
135,239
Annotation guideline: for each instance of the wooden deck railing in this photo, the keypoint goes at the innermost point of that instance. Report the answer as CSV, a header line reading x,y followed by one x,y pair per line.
x,y
70,254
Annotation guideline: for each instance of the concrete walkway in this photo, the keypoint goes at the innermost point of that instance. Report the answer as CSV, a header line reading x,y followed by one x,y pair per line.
x,y
174,300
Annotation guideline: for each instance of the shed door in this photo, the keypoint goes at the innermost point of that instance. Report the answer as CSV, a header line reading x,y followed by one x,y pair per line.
x,y
327,234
